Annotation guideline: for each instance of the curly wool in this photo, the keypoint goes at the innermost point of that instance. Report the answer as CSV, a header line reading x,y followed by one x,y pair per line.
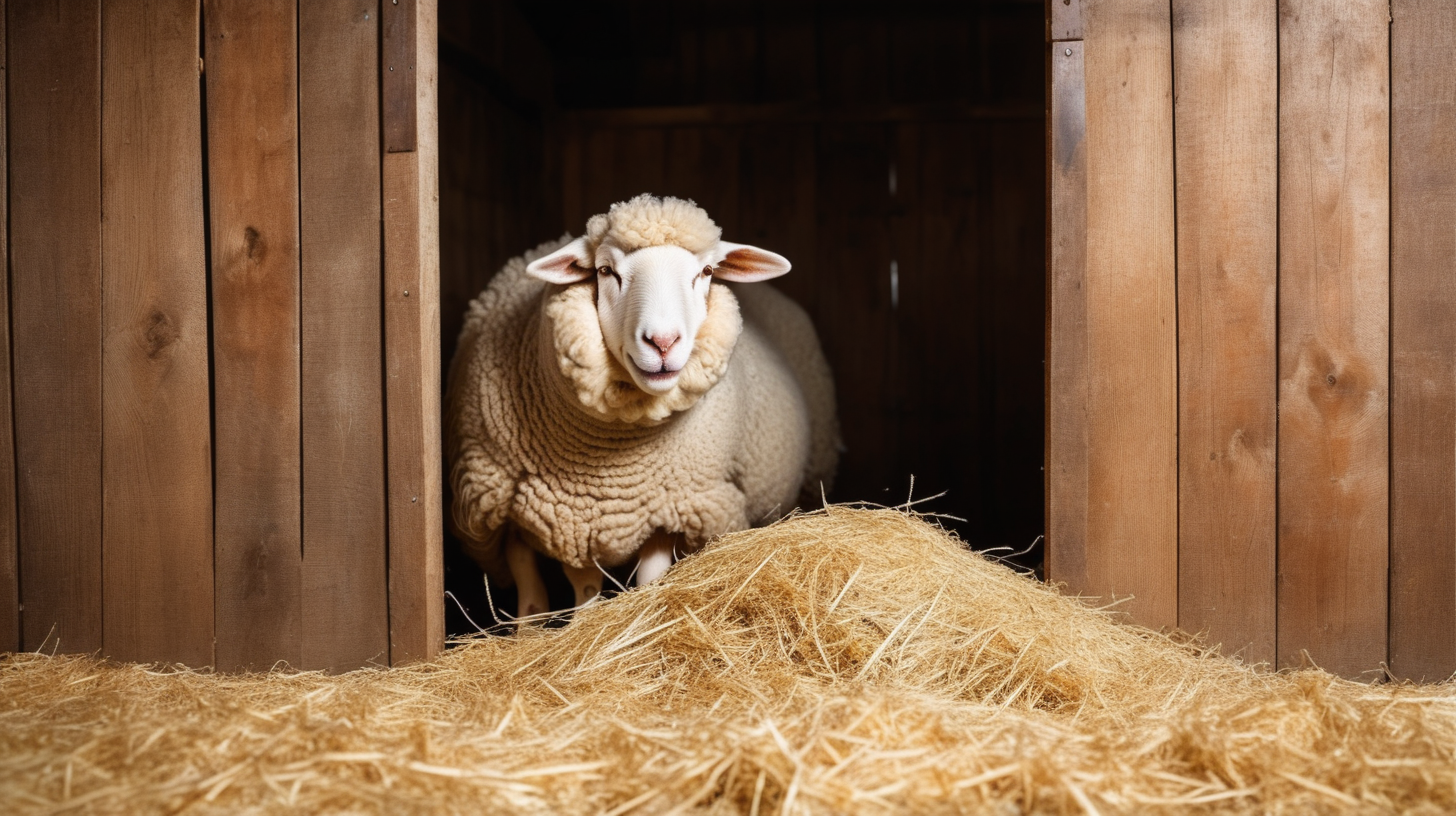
x,y
647,221
548,433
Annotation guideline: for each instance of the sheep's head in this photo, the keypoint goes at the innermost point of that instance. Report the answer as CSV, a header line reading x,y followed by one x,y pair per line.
x,y
654,260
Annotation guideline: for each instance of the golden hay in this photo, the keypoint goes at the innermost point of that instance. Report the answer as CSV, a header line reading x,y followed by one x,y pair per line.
x,y
848,661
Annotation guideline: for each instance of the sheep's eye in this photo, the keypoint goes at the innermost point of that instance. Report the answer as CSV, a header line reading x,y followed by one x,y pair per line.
x,y
607,270
707,270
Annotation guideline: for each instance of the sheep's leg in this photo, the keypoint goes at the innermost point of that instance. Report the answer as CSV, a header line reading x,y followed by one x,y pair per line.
x,y
655,556
530,589
586,580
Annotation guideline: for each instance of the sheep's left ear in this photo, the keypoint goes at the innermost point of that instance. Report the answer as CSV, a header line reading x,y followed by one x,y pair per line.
x,y
747,264
564,266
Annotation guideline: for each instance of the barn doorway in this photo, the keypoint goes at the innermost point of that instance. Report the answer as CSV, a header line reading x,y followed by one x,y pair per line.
x,y
894,152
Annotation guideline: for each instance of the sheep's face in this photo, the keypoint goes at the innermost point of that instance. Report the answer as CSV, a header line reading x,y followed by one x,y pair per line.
x,y
652,301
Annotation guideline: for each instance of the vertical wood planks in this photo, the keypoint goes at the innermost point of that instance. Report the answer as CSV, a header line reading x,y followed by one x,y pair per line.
x,y
1226,72
398,74
1423,338
54,113
412,373
156,452
1333,332
1066,367
345,603
252,149
9,576
1132,397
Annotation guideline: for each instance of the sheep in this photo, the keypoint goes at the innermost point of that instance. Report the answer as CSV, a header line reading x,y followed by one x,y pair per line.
x,y
623,394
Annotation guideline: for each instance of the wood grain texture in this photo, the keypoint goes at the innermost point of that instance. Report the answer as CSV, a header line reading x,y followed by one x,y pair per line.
x,y
54,121
9,557
1423,341
1333,332
1066,344
252,150
412,374
1064,20
158,569
345,598
398,76
1132,420
1226,75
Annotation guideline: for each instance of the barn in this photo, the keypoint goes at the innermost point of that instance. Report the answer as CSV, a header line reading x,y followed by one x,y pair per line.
x,y
1167,283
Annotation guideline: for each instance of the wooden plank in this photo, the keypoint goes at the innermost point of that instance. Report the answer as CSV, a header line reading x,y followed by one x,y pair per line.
x,y
54,119
1226,78
9,557
1132,353
252,150
156,459
1066,344
1064,20
1333,332
1423,337
345,602
412,374
398,78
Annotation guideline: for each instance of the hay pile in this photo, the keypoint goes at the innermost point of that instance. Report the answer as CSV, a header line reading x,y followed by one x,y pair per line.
x,y
849,661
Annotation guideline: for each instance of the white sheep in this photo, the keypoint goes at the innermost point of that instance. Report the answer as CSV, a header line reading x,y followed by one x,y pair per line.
x,y
610,399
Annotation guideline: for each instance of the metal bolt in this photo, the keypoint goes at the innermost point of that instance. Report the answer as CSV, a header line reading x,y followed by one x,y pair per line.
x,y
1068,52
406,293
392,67
414,499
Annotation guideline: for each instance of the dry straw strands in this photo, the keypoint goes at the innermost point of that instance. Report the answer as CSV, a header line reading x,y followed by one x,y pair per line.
x,y
871,664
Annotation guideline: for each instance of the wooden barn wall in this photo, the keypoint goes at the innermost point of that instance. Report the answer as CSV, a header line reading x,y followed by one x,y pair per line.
x,y
1254,201
893,152
214,348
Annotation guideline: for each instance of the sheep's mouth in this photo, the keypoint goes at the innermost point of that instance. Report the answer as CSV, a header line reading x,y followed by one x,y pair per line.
x,y
662,376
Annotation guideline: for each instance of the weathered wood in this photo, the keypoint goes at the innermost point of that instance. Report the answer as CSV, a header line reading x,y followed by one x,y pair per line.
x,y
345,602
156,458
54,121
1064,20
1132,354
399,78
1423,338
9,557
1066,344
1226,75
252,150
412,373
1333,332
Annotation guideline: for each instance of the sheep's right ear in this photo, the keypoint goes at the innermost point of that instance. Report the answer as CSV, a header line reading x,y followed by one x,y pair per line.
x,y
569,264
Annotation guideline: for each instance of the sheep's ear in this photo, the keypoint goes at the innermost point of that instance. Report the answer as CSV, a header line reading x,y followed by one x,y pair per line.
x,y
569,264
747,264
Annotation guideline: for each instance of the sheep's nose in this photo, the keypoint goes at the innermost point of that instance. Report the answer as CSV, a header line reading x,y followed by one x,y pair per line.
x,y
664,342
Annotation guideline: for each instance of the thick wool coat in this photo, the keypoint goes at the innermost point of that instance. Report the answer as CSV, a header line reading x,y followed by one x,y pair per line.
x,y
546,430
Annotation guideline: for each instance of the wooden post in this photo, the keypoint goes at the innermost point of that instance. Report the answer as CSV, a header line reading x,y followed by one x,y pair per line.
x,y
412,355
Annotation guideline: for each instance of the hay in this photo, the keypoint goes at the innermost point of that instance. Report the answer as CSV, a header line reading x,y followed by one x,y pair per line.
x,y
848,661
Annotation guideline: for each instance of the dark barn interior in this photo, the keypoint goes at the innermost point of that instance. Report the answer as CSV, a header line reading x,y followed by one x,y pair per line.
x,y
894,152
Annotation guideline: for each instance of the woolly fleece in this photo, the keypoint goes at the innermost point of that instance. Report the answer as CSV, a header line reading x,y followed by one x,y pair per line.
x,y
547,431
647,221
